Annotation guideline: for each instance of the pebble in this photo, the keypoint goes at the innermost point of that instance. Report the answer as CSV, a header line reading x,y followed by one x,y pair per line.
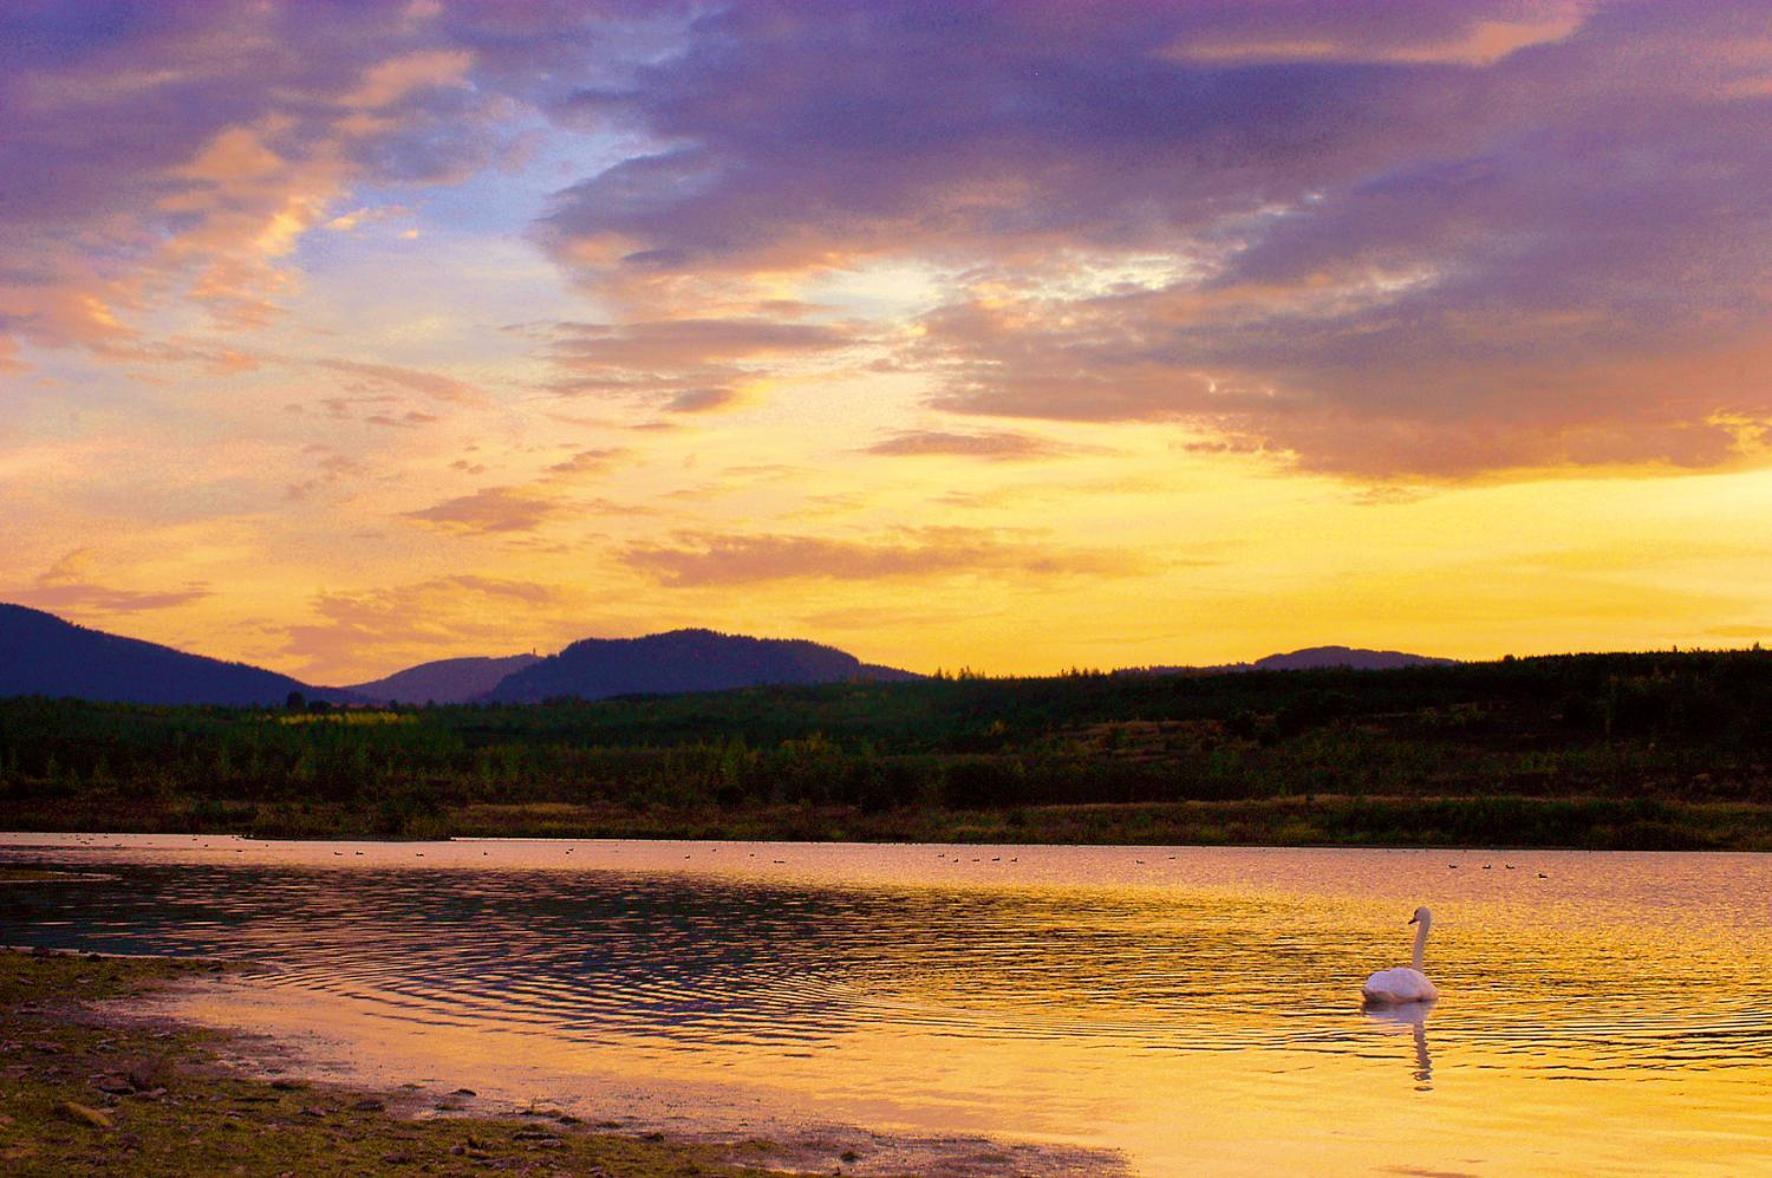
x,y
84,1114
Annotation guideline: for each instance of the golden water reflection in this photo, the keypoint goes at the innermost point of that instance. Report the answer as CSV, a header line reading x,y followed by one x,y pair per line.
x,y
1197,1010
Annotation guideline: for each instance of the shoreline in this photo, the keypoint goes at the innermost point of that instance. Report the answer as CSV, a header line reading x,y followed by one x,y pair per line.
x,y
1324,820
105,1075
100,1081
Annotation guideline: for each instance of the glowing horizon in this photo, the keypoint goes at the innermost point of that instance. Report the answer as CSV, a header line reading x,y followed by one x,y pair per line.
x,y
336,339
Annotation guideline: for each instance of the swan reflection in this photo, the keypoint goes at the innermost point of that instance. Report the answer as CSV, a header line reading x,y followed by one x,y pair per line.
x,y
1412,1018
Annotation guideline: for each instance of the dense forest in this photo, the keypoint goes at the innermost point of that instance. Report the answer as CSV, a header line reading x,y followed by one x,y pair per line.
x,y
1652,750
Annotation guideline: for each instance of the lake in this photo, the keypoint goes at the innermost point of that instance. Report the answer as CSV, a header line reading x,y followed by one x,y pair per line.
x,y
1168,1010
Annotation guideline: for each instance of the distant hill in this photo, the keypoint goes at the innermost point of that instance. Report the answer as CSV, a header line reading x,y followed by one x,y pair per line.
x,y
42,655
682,661
446,681
1312,658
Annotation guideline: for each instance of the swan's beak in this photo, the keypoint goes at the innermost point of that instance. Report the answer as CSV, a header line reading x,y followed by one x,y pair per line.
x,y
1415,920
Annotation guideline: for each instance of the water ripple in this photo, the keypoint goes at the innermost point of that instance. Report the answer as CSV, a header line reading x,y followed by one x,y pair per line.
x,y
695,960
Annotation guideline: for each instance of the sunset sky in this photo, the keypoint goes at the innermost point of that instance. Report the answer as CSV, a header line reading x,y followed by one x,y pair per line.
x,y
339,337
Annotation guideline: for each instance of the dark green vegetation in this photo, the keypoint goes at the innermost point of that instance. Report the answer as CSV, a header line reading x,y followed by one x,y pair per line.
x,y
87,1094
1662,750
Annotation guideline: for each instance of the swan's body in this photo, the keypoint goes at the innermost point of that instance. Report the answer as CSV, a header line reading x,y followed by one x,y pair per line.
x,y
1406,983
1395,987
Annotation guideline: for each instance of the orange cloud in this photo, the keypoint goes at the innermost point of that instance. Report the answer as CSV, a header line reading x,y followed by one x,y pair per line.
x,y
989,445
375,631
912,552
65,586
492,510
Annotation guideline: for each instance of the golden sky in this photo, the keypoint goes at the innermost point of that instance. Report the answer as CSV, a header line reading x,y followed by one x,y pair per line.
x,y
1015,336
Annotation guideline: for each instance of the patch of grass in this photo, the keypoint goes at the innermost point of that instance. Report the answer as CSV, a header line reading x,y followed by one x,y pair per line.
x,y
27,978
83,1094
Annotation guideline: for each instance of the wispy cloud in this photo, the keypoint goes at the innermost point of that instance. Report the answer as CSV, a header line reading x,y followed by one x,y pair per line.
x,y
379,630
596,460
692,364
696,560
430,384
174,154
989,445
67,586
493,510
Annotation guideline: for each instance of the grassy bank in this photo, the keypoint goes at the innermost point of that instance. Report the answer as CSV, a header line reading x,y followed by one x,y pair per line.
x,y
1664,750
1596,824
88,1094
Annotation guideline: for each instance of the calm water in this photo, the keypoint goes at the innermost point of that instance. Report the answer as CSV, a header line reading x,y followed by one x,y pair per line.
x,y
1194,1010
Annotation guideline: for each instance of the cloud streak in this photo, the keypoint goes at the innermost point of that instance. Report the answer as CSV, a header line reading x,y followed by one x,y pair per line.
x,y
66,586
988,445
434,385
492,511
710,560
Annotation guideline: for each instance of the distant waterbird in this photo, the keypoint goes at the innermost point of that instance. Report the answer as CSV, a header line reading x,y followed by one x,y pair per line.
x,y
1405,983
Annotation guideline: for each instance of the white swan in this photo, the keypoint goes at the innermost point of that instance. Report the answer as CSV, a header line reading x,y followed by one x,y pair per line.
x,y
1394,987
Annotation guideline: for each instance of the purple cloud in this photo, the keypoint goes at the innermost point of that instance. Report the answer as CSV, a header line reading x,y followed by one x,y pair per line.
x,y
685,365
1400,238
160,151
1384,237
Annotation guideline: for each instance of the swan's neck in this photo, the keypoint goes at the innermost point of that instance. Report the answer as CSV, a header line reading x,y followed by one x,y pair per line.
x,y
1420,944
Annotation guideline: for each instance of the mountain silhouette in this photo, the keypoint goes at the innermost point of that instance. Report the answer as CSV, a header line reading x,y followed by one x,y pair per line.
x,y
1311,658
682,661
446,681
42,655
1314,657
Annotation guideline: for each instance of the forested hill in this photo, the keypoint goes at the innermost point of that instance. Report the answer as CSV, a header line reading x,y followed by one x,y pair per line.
x,y
42,655
682,661
446,681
